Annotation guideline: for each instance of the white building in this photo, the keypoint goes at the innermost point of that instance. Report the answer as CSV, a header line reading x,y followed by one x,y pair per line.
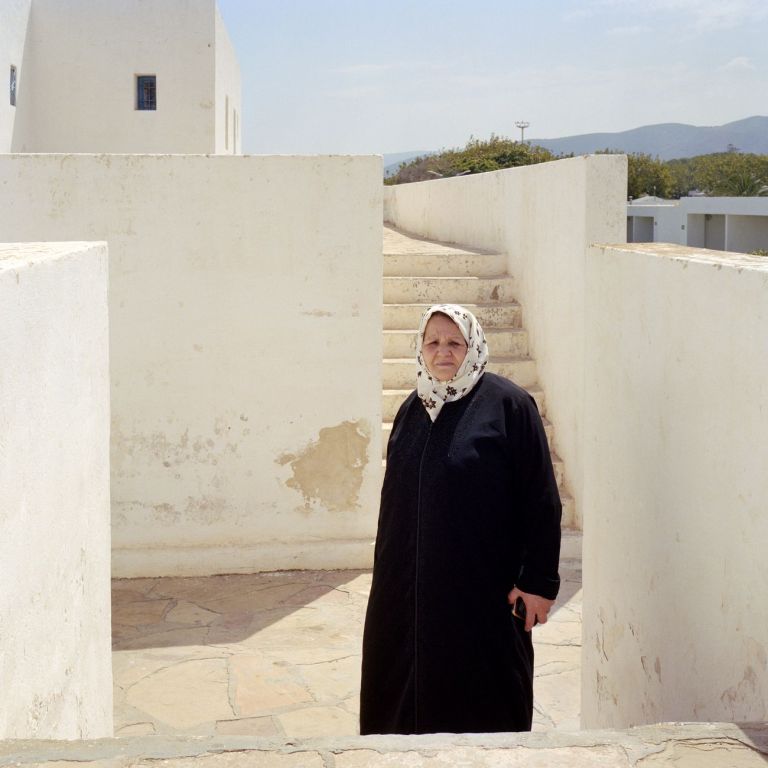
x,y
721,223
127,77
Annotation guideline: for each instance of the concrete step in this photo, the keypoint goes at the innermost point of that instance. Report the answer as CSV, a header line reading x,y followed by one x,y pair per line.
x,y
392,399
453,290
442,264
407,316
501,341
400,373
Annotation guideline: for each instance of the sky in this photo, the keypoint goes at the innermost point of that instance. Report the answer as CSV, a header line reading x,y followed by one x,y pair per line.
x,y
375,77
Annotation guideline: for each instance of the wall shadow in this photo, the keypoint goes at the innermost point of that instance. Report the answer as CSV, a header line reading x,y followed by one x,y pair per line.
x,y
215,610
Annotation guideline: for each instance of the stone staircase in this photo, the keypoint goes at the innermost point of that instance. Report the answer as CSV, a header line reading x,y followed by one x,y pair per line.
x,y
420,272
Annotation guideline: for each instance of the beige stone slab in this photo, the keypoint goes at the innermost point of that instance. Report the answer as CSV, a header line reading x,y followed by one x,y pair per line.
x,y
184,695
140,586
330,681
558,697
249,759
352,705
139,612
238,759
558,632
573,757
260,686
277,645
163,636
554,659
250,726
313,722
705,754
185,612
135,729
669,744
128,667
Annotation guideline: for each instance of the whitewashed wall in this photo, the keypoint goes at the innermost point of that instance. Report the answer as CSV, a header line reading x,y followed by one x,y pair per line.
x,y
79,90
676,450
726,223
245,306
55,660
14,15
228,93
543,217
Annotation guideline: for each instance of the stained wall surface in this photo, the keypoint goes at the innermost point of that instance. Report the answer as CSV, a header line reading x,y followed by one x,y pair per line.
x,y
675,454
56,663
544,217
81,62
14,17
245,325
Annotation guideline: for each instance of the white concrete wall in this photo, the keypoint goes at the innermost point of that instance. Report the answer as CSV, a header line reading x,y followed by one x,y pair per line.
x,y
747,233
675,615
245,297
80,86
684,222
228,93
669,224
14,15
543,217
55,659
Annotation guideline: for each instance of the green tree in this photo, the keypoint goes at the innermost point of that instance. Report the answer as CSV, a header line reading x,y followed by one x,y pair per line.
x,y
646,175
729,174
478,156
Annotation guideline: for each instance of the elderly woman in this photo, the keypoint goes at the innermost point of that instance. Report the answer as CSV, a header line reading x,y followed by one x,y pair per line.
x,y
469,522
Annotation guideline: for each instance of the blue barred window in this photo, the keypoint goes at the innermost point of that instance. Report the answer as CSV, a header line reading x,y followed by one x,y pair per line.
x,y
146,92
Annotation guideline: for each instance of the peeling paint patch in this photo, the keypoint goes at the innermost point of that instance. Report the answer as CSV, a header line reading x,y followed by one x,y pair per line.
x,y
329,471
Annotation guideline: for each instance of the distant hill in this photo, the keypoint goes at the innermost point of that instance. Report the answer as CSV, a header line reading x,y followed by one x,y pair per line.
x,y
665,140
670,140
392,162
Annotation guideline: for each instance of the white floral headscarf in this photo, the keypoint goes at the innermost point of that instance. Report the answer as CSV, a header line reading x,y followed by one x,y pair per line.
x,y
433,393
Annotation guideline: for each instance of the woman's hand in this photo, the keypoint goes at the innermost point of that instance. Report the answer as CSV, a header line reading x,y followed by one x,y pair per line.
x,y
536,607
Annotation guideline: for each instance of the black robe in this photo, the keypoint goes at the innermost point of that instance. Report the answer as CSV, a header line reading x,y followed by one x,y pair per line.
x,y
469,509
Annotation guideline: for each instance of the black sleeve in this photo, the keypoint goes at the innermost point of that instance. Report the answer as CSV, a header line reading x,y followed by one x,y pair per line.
x,y
541,505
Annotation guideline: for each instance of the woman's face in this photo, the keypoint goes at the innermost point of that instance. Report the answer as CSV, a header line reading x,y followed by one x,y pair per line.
x,y
443,348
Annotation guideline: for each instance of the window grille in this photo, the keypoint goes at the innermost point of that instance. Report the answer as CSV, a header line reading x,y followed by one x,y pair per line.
x,y
13,86
146,92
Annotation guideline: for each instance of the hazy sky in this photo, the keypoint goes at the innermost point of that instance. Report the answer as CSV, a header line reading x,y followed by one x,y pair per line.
x,y
381,76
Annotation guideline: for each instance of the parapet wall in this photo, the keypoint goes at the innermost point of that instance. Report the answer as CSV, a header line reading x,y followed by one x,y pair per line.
x,y
676,492
55,643
544,217
245,331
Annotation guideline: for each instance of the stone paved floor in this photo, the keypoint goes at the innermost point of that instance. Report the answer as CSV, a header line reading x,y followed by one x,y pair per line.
x,y
277,655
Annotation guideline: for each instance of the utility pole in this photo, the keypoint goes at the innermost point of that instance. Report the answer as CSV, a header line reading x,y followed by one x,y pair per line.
x,y
522,125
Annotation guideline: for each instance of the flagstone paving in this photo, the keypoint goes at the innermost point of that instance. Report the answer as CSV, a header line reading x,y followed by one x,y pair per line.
x,y
277,655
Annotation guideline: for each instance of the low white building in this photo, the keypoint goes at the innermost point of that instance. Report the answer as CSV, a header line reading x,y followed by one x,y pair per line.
x,y
127,77
721,223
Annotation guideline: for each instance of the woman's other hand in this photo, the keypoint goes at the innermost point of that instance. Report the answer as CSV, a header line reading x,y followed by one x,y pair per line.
x,y
536,607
